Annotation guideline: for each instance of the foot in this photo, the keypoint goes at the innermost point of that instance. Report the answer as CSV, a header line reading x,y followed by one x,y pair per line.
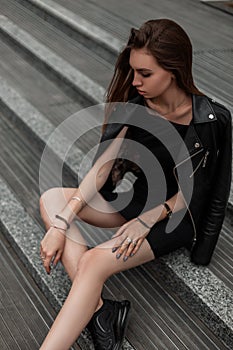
x,y
108,325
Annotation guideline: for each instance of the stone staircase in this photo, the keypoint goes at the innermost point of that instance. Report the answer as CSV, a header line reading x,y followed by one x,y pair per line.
x,y
57,59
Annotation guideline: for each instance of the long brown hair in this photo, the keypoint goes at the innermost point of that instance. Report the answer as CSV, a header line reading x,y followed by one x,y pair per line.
x,y
169,44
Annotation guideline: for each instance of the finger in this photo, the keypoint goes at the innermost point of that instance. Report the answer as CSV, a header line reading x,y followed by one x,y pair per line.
x,y
46,263
42,254
136,247
123,246
47,267
130,250
118,243
57,258
41,250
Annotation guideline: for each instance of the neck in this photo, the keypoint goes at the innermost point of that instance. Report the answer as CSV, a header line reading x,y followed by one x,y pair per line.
x,y
168,102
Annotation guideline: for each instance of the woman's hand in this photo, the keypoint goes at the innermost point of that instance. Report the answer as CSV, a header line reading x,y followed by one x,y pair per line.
x,y
130,238
51,248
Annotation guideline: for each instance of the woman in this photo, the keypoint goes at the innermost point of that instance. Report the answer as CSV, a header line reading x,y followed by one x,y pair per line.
x,y
154,73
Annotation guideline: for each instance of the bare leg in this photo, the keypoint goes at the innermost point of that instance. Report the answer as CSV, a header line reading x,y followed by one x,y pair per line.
x,y
51,203
54,200
95,267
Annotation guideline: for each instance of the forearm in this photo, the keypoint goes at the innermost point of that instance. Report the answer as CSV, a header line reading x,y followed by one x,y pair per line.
x,y
91,184
159,213
94,179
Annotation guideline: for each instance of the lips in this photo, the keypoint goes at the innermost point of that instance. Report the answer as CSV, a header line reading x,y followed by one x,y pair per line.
x,y
141,92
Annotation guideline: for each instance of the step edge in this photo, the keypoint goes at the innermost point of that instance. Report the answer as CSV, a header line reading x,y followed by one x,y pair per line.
x,y
61,68
79,24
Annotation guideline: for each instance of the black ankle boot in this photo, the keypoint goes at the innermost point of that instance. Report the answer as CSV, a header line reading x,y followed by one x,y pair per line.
x,y
108,325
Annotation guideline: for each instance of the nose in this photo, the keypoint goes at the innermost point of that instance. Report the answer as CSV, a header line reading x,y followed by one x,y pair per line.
x,y
136,80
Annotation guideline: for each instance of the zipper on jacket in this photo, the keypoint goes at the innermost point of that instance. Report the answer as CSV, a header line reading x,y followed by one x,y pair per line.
x,y
190,214
197,167
185,160
205,159
202,161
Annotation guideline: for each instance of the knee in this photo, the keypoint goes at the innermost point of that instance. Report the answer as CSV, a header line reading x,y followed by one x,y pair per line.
x,y
90,264
86,261
46,195
44,205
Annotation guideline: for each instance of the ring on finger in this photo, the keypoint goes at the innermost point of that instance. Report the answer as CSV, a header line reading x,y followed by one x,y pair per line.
x,y
134,243
128,240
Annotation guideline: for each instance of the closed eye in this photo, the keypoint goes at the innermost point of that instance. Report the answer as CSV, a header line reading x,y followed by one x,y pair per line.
x,y
146,75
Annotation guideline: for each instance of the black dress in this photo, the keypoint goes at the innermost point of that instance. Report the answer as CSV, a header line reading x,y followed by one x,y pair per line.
x,y
152,166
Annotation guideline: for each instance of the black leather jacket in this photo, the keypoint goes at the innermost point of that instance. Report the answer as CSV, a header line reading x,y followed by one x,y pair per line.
x,y
209,144
209,141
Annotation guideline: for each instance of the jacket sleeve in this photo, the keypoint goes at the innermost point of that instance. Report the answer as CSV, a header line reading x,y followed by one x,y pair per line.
x,y
120,117
215,212
111,131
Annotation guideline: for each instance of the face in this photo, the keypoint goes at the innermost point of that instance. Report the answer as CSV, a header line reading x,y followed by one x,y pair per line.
x,y
151,80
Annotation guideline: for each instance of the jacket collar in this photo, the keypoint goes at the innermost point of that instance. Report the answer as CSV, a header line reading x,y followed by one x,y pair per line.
x,y
202,109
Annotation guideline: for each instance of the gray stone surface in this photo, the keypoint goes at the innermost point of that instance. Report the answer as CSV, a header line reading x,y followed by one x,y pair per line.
x,y
25,235
207,296
79,24
82,83
114,44
192,276
85,85
202,283
39,125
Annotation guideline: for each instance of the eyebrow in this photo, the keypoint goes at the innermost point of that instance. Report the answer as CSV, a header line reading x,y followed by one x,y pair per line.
x,y
142,69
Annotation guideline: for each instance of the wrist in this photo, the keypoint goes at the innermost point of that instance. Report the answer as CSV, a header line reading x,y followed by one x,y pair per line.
x,y
59,229
167,210
142,222
61,222
74,206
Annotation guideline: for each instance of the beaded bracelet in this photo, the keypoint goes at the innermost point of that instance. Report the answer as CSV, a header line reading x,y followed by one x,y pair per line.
x,y
142,222
64,220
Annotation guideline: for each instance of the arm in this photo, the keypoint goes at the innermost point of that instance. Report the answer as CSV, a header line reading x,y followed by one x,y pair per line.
x,y
159,213
217,203
95,178
52,244
137,229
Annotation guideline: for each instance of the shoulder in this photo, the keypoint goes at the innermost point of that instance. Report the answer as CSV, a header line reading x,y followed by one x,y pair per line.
x,y
220,110
206,108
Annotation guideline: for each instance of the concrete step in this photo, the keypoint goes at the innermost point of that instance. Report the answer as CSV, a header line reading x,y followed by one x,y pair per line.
x,y
117,19
26,315
114,26
211,63
84,31
45,56
85,86
202,289
168,321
